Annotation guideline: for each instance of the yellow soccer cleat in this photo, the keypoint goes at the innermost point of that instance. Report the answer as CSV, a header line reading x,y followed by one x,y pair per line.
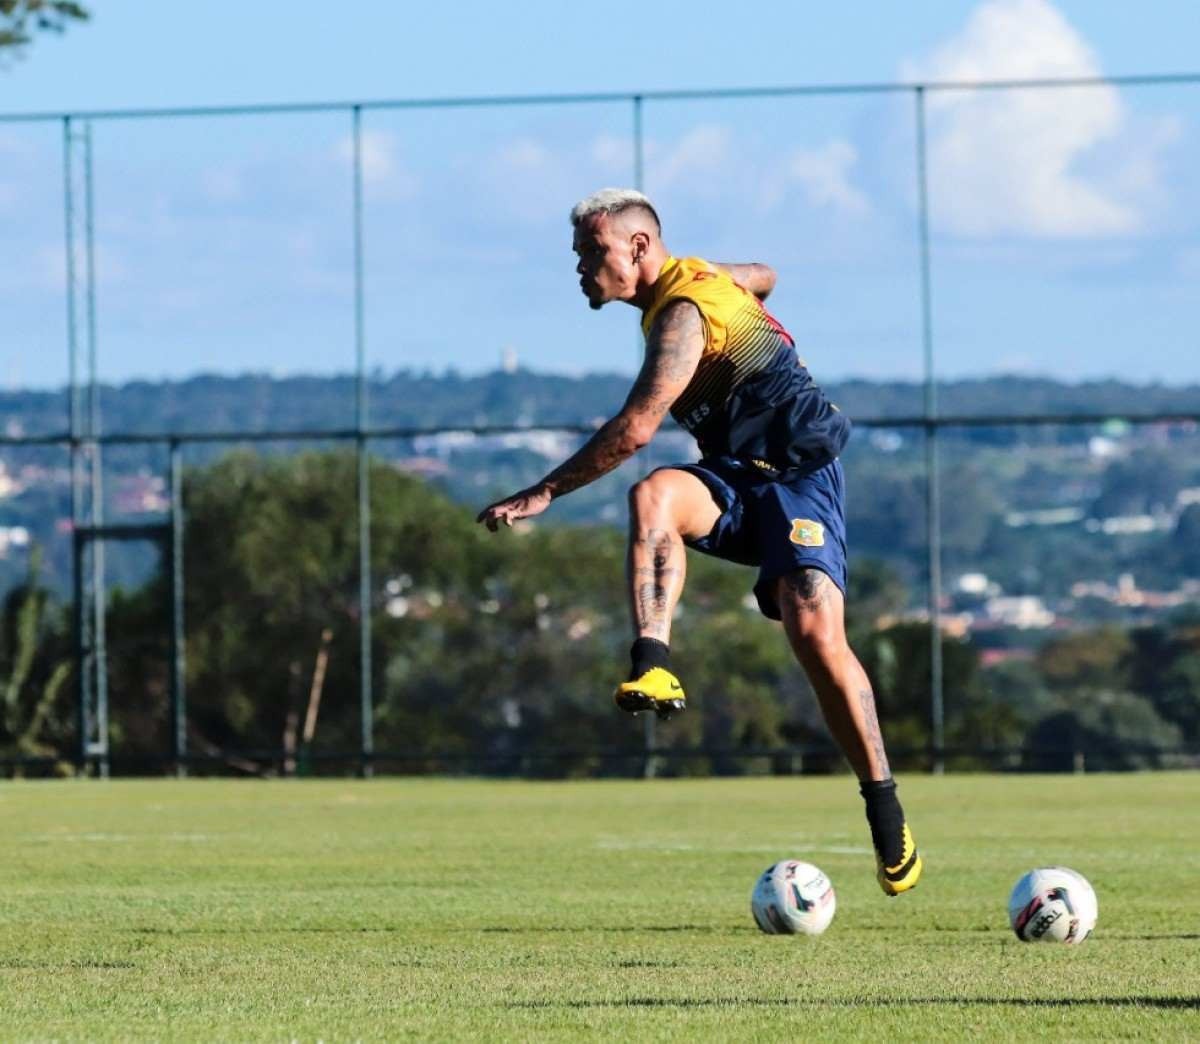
x,y
656,689
906,873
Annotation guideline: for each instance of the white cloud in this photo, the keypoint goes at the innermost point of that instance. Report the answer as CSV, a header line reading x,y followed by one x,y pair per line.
x,y
49,270
712,161
824,174
381,166
1010,161
223,184
699,154
525,155
614,154
1187,263
14,147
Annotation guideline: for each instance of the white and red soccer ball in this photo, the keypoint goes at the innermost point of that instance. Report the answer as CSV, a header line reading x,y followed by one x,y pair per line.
x,y
792,898
1052,904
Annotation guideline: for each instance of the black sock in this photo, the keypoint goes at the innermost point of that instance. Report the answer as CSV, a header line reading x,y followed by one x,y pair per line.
x,y
647,653
886,819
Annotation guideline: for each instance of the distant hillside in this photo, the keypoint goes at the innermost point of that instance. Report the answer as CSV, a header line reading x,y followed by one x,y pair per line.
x,y
258,402
1038,510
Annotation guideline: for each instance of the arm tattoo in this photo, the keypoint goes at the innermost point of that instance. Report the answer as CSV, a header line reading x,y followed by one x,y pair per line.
x,y
652,602
605,450
811,588
871,725
672,352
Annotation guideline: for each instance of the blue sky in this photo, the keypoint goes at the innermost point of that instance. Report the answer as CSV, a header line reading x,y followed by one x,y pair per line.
x,y
1066,224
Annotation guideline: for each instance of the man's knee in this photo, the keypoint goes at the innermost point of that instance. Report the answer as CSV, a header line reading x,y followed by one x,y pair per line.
x,y
811,606
650,498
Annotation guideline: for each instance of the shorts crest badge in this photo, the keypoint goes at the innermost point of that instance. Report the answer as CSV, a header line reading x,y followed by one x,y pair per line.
x,y
807,533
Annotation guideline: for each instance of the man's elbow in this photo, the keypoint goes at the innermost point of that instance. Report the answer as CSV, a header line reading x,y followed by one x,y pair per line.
x,y
766,281
636,434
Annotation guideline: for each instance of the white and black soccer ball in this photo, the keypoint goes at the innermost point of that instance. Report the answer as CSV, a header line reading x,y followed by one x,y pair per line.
x,y
792,897
1052,904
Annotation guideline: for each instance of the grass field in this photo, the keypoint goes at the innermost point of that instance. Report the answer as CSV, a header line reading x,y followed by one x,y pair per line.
x,y
452,910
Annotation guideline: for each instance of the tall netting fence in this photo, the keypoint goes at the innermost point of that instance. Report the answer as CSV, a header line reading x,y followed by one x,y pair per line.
x,y
262,365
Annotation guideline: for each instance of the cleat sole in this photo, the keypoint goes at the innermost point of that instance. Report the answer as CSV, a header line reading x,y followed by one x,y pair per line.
x,y
636,702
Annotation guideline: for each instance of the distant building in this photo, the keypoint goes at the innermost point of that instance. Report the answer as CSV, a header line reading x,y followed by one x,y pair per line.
x,y
141,495
11,538
1126,593
1025,612
424,467
9,486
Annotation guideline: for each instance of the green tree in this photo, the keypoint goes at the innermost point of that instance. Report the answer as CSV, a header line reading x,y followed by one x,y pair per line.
x,y
1096,659
1165,668
1185,542
897,659
19,19
271,563
33,670
1108,730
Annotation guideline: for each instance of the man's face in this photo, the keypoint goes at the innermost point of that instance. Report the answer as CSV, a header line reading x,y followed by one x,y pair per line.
x,y
606,267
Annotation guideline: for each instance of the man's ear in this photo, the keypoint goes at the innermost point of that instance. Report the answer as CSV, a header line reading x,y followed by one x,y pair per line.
x,y
640,243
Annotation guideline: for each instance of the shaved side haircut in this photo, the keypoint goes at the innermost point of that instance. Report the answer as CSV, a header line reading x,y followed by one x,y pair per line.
x,y
613,201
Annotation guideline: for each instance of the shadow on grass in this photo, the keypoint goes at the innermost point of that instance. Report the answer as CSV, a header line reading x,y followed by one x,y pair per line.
x,y
1169,1003
588,929
69,965
705,929
286,929
532,929
1153,936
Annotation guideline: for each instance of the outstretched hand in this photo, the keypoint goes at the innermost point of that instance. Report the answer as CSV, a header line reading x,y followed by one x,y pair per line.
x,y
526,504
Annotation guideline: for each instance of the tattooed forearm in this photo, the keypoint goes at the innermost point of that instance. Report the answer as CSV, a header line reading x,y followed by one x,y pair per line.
x,y
810,588
871,726
672,351
614,443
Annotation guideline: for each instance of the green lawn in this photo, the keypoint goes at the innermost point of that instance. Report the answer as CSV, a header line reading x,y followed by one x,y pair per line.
x,y
451,910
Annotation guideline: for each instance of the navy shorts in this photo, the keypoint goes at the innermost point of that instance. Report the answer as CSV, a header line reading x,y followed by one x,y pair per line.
x,y
777,524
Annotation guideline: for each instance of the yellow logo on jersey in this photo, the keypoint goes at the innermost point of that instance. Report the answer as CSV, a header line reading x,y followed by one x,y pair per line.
x,y
807,533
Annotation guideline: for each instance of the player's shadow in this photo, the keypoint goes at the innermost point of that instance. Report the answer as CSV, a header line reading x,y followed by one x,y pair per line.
x,y
533,929
1153,936
282,929
1168,1003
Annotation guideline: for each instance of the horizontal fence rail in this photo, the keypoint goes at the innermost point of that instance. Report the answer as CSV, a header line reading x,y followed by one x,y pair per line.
x,y
605,97
942,421
781,760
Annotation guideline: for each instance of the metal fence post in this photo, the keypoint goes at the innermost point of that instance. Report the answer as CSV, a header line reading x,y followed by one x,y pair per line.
x,y
178,633
79,620
366,695
933,497
649,722
96,513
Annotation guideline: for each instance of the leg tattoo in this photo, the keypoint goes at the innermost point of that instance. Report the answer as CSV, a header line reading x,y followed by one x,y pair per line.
x,y
811,588
654,582
871,725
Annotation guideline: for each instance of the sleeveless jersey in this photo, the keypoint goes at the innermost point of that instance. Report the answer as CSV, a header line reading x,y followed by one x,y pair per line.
x,y
751,397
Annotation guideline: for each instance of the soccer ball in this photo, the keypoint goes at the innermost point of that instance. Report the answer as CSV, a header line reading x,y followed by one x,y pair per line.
x,y
1052,904
792,897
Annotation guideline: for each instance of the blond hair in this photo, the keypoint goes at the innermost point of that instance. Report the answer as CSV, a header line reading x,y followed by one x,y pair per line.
x,y
612,201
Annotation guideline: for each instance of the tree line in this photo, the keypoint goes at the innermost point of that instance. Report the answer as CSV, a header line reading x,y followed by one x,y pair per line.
x,y
492,651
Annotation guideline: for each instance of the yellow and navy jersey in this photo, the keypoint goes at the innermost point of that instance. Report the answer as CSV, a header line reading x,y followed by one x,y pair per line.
x,y
751,397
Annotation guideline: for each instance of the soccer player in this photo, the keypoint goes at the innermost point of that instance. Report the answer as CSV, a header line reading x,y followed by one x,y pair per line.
x,y
768,491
